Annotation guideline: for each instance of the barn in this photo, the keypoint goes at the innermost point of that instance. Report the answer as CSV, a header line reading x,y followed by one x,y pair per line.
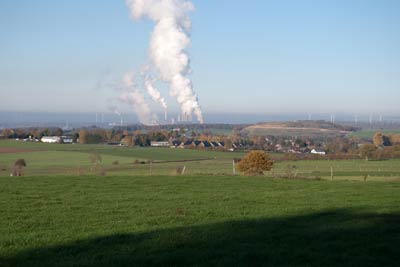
x,y
51,139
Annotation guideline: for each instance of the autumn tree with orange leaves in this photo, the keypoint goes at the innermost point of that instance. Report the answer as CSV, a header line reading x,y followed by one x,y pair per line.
x,y
255,163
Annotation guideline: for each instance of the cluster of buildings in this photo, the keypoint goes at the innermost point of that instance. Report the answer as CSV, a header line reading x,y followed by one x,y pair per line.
x,y
294,146
297,150
196,144
193,144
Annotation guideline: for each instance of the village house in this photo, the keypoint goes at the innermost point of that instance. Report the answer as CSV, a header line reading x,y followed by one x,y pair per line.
x,y
187,144
51,139
159,144
67,139
175,144
317,151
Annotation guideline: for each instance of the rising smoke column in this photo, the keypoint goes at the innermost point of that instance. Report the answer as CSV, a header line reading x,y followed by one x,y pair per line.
x,y
168,47
129,81
154,92
135,98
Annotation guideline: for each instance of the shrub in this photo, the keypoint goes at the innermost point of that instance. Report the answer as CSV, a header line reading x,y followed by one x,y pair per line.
x,y
255,163
3,168
291,171
20,163
18,166
95,158
180,170
100,171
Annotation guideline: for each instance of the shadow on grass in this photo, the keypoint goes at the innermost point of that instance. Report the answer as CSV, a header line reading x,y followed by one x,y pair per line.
x,y
332,238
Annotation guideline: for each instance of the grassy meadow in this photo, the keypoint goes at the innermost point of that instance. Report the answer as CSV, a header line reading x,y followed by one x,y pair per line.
x,y
74,160
369,134
51,159
197,221
63,213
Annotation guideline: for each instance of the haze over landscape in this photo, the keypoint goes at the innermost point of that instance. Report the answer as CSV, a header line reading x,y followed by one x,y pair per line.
x,y
264,58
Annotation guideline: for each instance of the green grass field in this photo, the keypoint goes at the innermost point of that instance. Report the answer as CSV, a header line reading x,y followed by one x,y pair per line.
x,y
368,134
197,221
60,213
53,159
74,160
385,170
160,154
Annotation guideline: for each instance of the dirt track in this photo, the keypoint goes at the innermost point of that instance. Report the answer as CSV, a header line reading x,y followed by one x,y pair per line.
x,y
267,127
4,150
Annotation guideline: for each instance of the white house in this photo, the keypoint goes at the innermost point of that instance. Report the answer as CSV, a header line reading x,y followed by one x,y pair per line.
x,y
67,139
160,144
51,139
318,152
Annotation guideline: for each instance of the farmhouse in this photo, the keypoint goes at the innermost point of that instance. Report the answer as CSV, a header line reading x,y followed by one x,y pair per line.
x,y
67,139
188,144
159,144
207,144
318,151
175,144
114,144
51,139
202,144
214,144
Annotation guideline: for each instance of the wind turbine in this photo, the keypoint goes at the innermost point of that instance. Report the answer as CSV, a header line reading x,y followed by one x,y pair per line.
x,y
370,120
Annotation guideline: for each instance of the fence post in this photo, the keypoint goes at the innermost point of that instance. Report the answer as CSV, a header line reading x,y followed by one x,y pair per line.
x,y
183,171
233,167
331,173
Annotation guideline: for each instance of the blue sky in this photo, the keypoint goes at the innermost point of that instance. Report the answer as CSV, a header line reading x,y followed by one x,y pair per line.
x,y
255,56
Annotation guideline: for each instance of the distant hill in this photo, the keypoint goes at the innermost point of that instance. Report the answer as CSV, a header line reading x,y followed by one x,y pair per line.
x,y
299,128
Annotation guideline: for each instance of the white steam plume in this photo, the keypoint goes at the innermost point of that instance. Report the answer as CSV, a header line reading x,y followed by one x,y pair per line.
x,y
129,79
154,93
168,47
150,86
136,99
